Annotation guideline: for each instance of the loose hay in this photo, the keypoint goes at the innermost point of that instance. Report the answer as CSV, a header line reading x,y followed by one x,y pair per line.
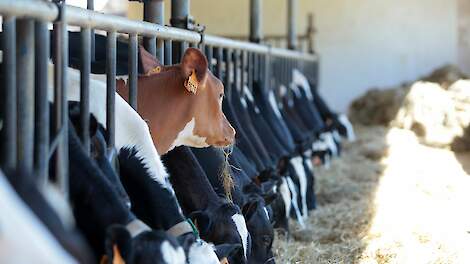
x,y
408,206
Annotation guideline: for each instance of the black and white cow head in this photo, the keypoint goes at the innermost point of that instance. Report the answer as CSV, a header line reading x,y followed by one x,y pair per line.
x,y
148,247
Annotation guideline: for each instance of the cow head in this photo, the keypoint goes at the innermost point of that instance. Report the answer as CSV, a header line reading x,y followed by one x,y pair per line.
x,y
261,230
182,103
146,248
222,225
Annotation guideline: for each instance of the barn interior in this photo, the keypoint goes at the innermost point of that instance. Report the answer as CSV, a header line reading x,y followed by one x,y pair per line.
x,y
304,131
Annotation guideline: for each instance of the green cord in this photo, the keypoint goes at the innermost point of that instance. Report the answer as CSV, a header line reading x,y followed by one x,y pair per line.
x,y
195,231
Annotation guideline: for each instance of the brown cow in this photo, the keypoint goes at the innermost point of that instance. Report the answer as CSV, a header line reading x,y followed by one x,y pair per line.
x,y
182,103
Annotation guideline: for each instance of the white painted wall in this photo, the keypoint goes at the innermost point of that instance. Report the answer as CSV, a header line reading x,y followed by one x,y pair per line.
x,y
370,43
362,43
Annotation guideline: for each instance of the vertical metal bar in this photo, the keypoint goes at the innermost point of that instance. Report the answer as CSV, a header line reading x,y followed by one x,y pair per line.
x,y
25,92
85,66
179,19
41,144
219,57
266,75
237,72
209,51
91,6
310,33
168,52
228,68
154,13
8,130
256,26
133,41
244,76
291,27
249,66
110,87
60,100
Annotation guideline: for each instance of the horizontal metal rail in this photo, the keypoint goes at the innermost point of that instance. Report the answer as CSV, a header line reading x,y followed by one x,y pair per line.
x,y
48,11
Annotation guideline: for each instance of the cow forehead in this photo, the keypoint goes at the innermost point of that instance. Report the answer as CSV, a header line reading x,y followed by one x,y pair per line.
x,y
240,223
214,82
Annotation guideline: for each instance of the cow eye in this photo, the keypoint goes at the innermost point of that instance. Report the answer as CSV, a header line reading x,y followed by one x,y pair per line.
x,y
221,96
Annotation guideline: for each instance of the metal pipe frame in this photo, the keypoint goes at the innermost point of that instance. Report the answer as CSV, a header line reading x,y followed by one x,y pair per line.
x,y
110,88
256,26
85,67
86,18
291,27
25,92
60,122
41,135
133,62
8,133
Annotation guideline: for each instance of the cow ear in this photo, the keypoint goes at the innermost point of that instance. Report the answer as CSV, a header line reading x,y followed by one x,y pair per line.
x,y
250,208
194,67
269,198
227,251
150,64
202,221
118,245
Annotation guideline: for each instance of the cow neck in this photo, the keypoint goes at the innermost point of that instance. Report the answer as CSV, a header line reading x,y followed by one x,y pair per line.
x,y
166,104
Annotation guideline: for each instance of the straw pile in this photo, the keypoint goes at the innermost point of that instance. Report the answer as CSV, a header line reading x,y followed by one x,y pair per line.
x,y
408,206
436,109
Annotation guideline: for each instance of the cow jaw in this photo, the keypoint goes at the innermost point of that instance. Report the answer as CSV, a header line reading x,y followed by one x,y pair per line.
x,y
187,137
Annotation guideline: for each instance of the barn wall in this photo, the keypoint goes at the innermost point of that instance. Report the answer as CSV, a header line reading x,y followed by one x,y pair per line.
x,y
362,43
464,35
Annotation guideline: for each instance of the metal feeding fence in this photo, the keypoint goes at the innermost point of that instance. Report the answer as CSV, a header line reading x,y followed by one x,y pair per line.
x,y
25,139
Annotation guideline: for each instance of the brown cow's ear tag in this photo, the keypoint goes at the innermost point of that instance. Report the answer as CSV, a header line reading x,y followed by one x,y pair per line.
x,y
117,258
192,83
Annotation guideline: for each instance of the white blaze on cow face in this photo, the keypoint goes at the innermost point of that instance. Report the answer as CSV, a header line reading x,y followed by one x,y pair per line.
x,y
131,130
172,255
202,252
186,137
293,191
266,212
301,81
328,139
299,169
23,237
286,195
240,223
343,119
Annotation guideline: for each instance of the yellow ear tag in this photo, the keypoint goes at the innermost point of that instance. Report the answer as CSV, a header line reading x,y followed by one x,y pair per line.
x,y
157,69
117,258
192,83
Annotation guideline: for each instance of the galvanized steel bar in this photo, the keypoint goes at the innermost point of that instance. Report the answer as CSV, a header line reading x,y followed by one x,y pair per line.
x,y
256,26
152,11
228,68
133,62
244,72
168,52
8,132
91,6
25,92
41,135
110,88
85,67
291,26
219,65
60,101
208,50
179,19
86,18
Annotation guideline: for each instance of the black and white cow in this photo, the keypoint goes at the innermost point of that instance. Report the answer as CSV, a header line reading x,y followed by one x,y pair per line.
x,y
218,220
